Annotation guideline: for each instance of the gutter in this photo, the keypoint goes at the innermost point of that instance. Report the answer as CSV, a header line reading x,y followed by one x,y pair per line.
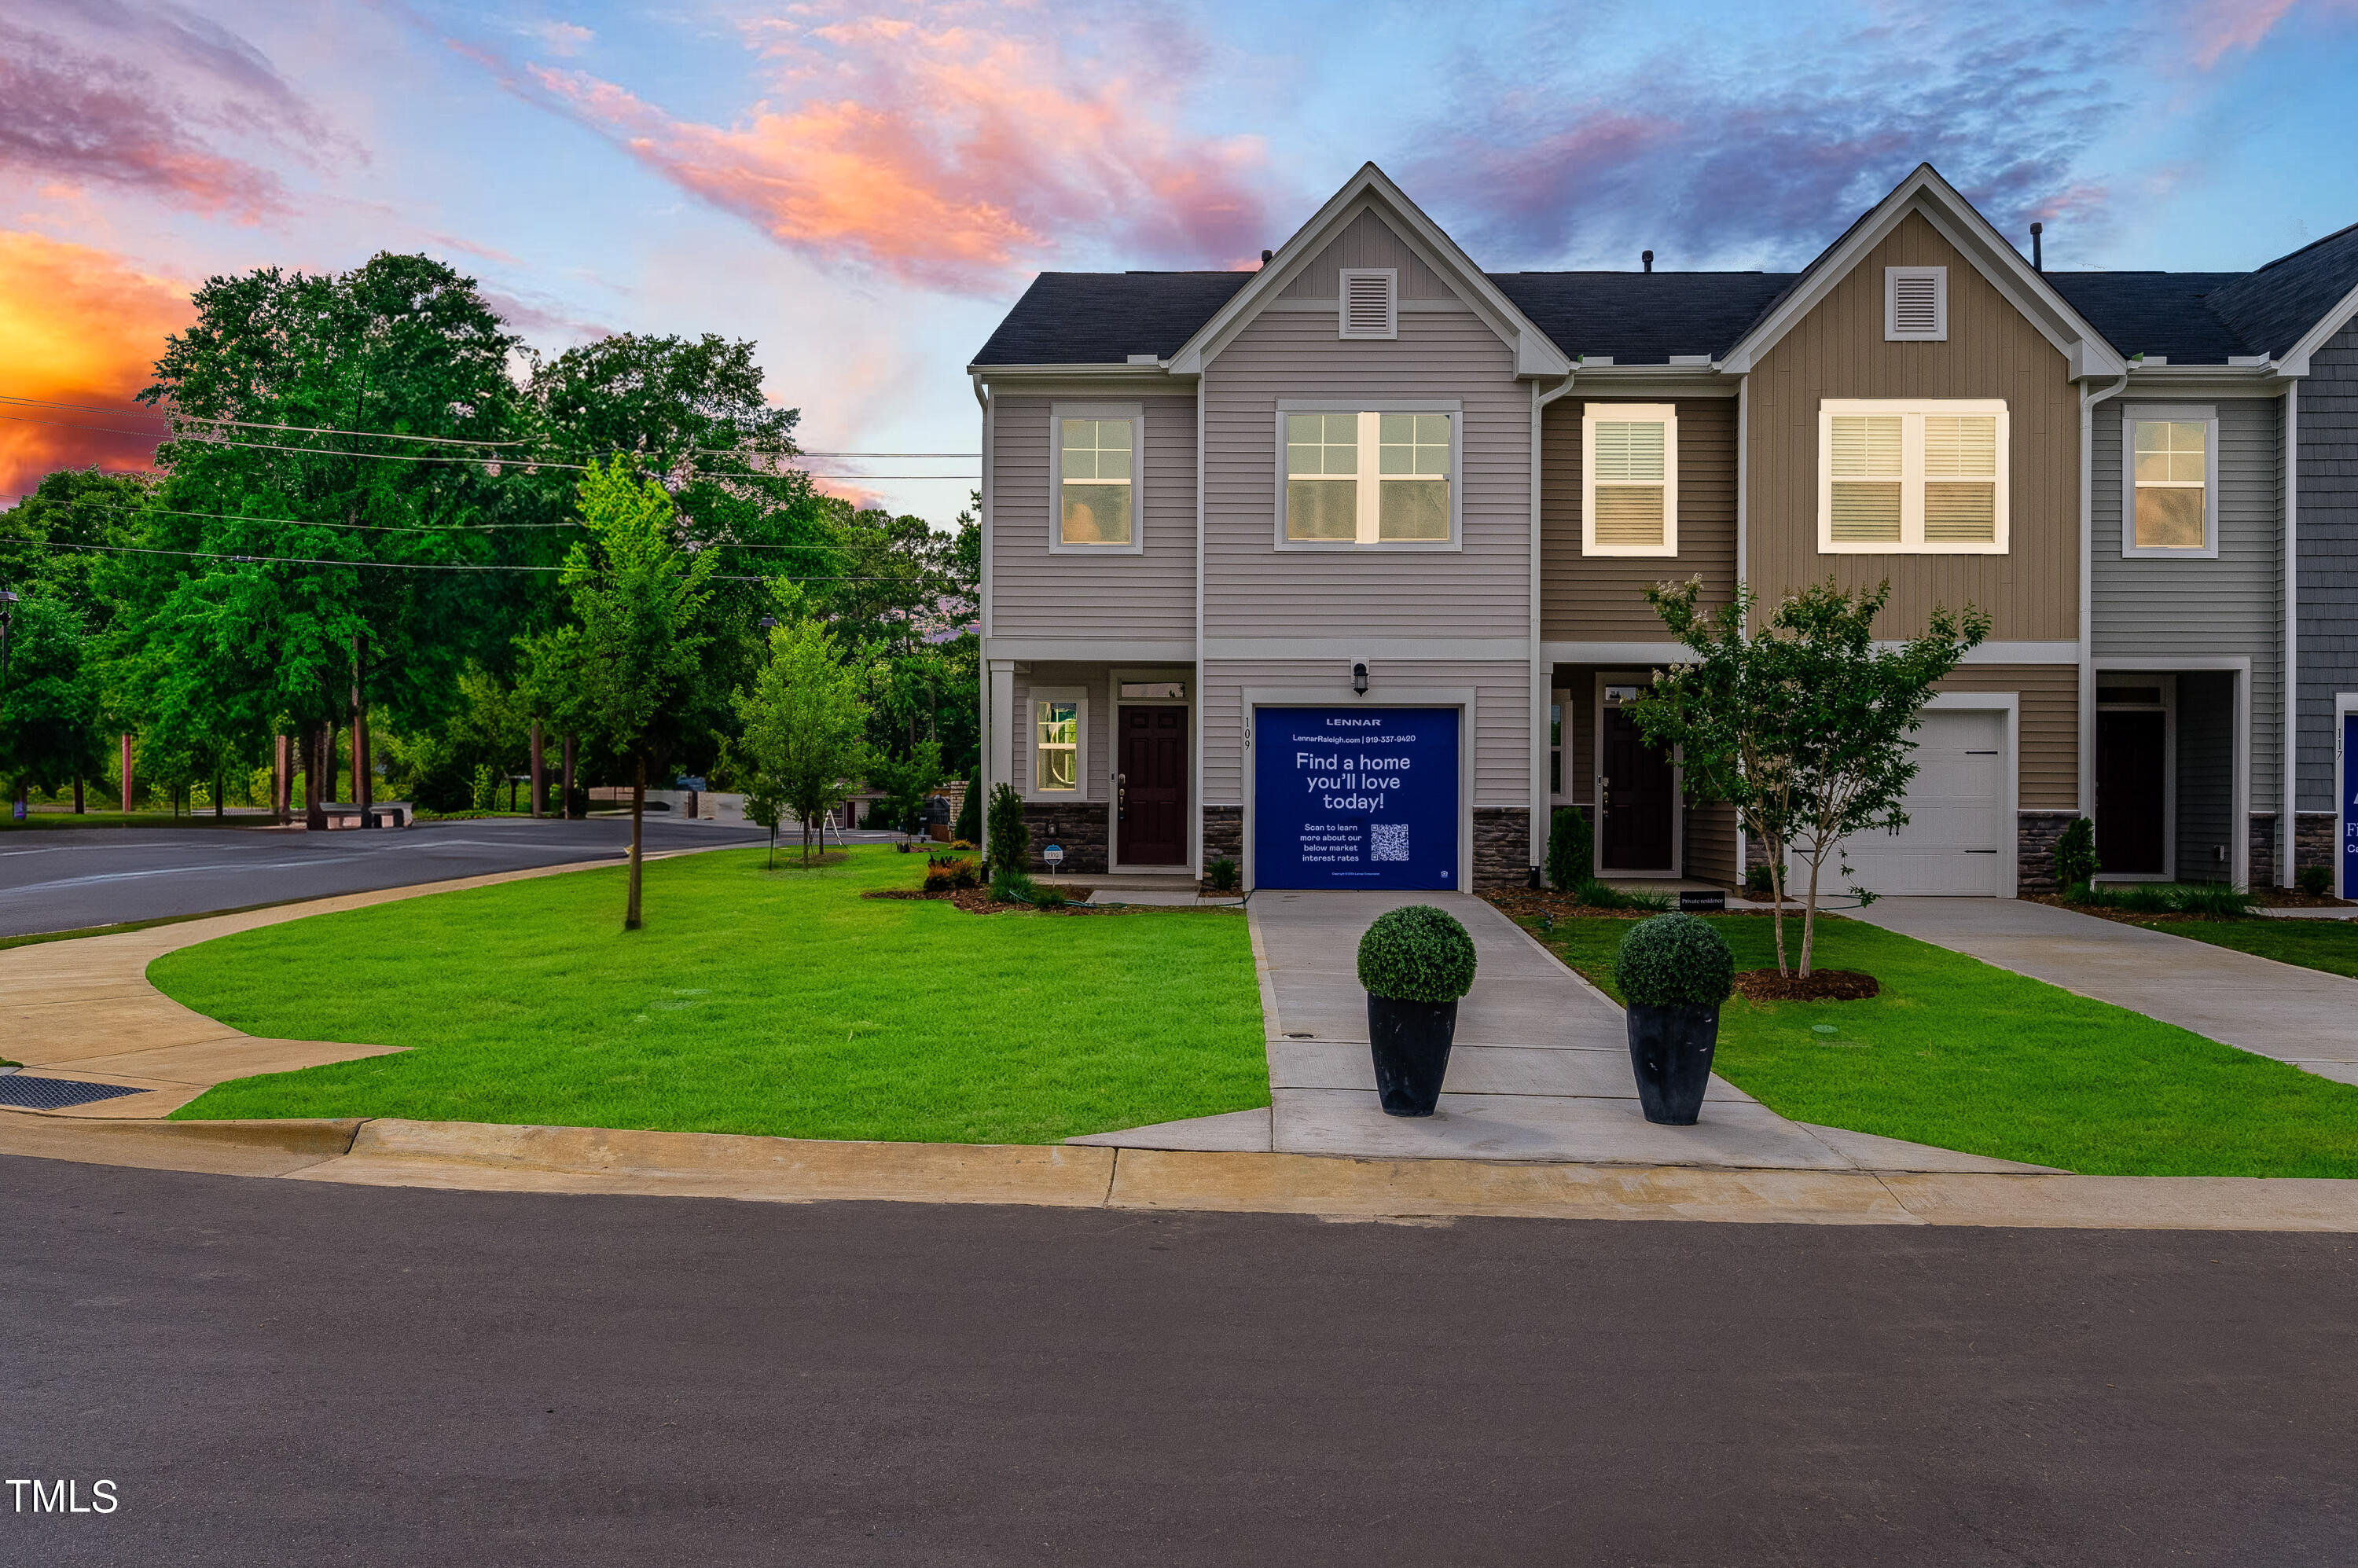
x,y
982,761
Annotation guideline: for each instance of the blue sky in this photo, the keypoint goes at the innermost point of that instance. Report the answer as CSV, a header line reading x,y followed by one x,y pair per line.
x,y
864,188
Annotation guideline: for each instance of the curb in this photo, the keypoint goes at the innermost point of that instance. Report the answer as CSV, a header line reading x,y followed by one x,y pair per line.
x,y
486,1157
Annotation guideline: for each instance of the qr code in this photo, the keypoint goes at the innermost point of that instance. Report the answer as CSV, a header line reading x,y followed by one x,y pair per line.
x,y
1388,841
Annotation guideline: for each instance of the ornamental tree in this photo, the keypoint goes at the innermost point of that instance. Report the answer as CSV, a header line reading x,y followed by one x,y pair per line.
x,y
805,723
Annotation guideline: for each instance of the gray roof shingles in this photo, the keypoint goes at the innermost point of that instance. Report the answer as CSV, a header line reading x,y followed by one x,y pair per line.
x,y
1646,318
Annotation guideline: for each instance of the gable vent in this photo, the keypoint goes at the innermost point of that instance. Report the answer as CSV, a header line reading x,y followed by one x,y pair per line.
x,y
1915,304
1370,302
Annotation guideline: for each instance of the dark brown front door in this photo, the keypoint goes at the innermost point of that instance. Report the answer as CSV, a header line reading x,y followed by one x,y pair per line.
x,y
1638,794
2131,776
1152,816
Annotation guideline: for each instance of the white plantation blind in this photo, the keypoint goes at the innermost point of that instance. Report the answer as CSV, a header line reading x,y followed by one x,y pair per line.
x,y
1915,304
1630,478
1927,478
1370,302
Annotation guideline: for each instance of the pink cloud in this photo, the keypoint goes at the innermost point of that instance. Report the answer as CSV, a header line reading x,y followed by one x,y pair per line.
x,y
950,154
2219,26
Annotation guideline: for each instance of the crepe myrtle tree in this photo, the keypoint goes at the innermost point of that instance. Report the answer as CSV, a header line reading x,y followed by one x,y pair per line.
x,y
1803,726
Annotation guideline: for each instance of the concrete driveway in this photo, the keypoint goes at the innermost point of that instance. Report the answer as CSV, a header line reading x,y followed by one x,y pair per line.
x,y
1539,1069
2297,1015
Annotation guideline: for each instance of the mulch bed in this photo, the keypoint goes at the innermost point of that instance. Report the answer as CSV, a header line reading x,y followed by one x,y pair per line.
x,y
2137,916
1826,985
2293,898
1524,903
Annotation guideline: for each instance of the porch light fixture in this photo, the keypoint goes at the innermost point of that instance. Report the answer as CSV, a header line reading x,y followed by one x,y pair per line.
x,y
1359,679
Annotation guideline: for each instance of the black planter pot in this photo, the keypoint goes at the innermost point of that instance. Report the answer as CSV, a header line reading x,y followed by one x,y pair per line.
x,y
1670,1050
1410,1041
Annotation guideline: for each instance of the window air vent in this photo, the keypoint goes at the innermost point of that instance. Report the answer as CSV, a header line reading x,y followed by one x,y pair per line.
x,y
1915,304
1370,308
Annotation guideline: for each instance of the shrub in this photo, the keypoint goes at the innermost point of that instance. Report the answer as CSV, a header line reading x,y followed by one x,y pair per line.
x,y
1049,895
1011,842
967,827
1674,960
1760,882
2075,855
1009,885
1571,849
2317,882
1417,953
2213,898
1598,894
1223,874
947,873
487,789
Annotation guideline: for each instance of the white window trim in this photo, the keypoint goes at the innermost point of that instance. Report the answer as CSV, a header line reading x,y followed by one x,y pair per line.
x,y
1343,301
2207,416
1911,540
1370,455
1636,413
1891,276
1057,414
1078,695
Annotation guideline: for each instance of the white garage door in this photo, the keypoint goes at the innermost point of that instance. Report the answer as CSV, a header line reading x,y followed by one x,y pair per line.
x,y
1955,842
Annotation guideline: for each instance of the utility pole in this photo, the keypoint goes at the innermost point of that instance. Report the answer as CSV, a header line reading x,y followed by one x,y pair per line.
x,y
126,772
361,780
539,774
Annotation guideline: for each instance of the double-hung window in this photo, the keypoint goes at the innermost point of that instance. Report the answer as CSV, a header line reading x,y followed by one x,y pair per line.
x,y
2169,473
1918,477
1368,477
1056,720
1629,480
1098,474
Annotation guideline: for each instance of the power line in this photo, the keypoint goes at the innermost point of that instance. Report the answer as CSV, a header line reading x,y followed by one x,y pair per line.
x,y
388,565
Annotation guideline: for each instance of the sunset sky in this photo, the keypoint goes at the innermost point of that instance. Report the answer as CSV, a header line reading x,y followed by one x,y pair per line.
x,y
865,188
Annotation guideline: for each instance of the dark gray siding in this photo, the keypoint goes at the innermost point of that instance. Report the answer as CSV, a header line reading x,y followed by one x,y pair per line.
x,y
2329,557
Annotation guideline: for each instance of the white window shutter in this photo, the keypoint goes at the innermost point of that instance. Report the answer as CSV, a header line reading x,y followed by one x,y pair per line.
x,y
1371,303
1916,304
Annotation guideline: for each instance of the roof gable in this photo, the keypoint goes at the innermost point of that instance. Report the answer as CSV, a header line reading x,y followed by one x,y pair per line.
x,y
1372,192
1954,218
2294,299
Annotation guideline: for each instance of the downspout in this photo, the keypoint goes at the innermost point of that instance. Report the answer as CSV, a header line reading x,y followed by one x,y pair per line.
x,y
982,779
2289,683
2085,790
1542,676
1202,696
1743,543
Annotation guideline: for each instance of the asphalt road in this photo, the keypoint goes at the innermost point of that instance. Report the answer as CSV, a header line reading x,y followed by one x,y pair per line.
x,y
69,879
273,1372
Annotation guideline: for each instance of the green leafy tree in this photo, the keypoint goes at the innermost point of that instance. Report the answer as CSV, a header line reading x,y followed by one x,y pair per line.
x,y
1805,727
805,723
905,782
50,711
642,607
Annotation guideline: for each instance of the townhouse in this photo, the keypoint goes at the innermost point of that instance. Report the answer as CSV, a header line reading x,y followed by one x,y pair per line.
x,y
1336,568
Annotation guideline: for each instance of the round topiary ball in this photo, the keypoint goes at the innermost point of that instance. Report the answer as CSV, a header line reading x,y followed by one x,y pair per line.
x,y
1674,960
1417,953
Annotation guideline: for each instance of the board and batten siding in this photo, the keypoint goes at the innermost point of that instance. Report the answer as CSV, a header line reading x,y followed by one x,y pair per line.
x,y
1097,732
1036,594
2328,647
2032,592
2151,608
1499,725
1603,598
1253,588
1365,242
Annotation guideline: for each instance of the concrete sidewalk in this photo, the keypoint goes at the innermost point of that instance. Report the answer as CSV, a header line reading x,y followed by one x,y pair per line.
x,y
2302,1016
1539,1069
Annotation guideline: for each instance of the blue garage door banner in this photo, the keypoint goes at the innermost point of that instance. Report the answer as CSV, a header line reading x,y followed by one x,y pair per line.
x,y
1354,797
2349,806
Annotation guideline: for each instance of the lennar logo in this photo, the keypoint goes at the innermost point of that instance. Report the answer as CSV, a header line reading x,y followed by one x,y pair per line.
x,y
63,1496
1341,723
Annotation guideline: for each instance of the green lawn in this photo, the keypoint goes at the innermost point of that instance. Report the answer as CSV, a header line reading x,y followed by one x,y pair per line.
x,y
754,1001
2328,944
1957,1054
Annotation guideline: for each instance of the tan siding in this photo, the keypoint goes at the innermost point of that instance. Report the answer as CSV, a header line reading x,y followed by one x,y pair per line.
x,y
1838,351
1367,241
1036,594
1585,599
2049,763
1500,723
1254,590
1711,843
